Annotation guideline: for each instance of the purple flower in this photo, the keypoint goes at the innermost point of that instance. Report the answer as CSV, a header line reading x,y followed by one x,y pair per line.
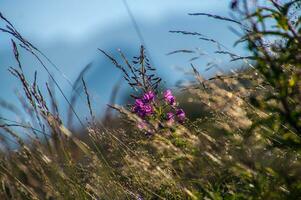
x,y
142,109
181,115
169,97
170,117
139,103
148,109
148,96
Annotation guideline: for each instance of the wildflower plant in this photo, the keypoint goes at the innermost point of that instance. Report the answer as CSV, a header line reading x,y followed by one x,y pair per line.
x,y
154,108
241,142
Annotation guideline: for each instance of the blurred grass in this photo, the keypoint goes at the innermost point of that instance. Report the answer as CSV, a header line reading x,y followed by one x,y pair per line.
x,y
241,139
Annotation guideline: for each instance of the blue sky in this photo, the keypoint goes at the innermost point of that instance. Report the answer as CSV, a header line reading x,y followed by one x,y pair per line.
x,y
76,18
70,31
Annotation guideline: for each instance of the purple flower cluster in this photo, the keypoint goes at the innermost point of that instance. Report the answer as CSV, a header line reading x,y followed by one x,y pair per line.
x,y
143,106
148,97
179,115
169,98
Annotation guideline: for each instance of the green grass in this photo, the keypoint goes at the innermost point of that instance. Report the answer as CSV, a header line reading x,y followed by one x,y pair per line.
x,y
241,138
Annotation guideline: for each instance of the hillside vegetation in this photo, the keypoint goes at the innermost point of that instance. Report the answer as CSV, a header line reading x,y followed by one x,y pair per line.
x,y
232,136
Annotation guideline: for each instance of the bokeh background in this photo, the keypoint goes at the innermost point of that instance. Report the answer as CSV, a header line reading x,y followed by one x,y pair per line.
x,y
70,31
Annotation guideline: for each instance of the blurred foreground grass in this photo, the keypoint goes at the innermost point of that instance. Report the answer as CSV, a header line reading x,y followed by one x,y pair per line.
x,y
242,138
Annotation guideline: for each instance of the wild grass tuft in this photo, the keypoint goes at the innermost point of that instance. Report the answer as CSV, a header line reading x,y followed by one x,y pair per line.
x,y
231,136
